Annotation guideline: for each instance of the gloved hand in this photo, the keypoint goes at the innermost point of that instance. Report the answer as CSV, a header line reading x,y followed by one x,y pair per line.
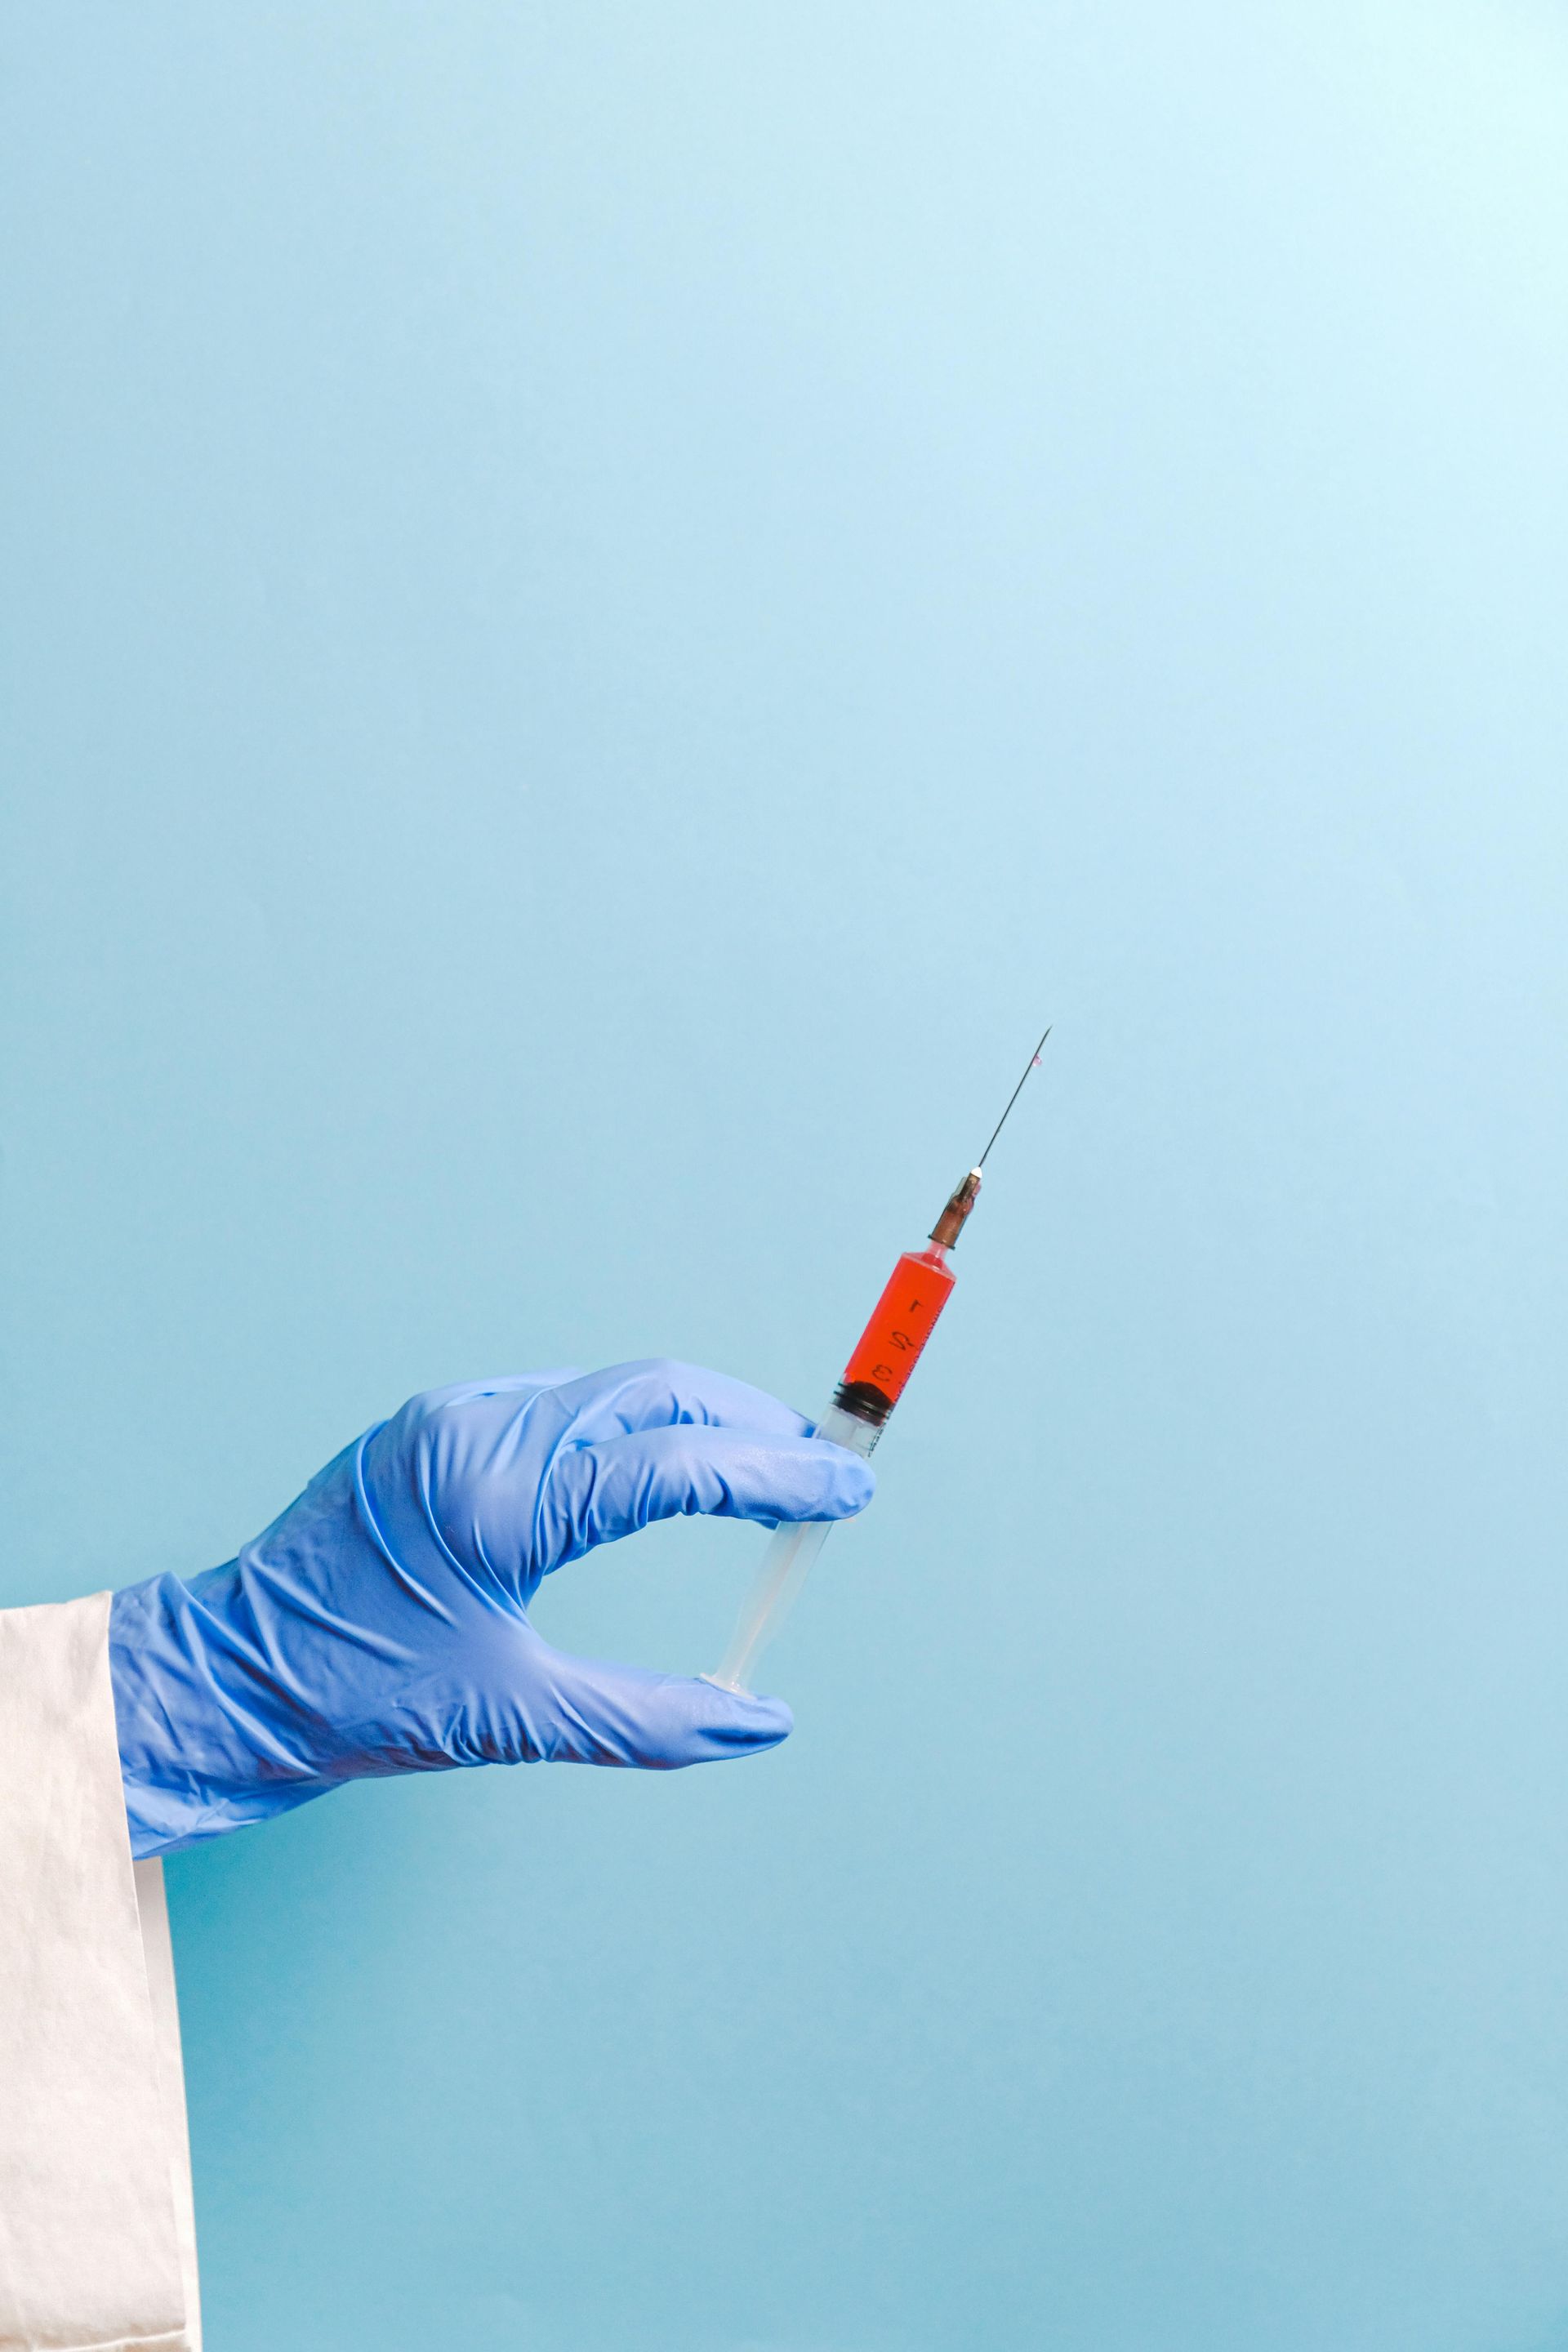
x,y
381,1625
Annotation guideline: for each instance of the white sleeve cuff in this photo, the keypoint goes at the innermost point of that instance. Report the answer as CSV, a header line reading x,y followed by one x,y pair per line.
x,y
97,2235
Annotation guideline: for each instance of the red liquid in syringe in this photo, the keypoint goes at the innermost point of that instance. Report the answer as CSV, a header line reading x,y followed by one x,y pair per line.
x,y
901,1322
904,1317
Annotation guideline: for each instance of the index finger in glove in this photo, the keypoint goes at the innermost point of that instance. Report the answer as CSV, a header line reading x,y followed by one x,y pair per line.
x,y
595,1494
659,1393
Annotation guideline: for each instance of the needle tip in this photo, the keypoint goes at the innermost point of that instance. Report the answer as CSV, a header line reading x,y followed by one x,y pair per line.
x,y
1031,1063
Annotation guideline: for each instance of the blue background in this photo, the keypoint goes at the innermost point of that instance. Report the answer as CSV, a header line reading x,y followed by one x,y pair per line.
x,y
608,608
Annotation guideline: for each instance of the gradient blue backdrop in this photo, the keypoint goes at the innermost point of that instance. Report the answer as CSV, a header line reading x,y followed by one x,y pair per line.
x,y
607,607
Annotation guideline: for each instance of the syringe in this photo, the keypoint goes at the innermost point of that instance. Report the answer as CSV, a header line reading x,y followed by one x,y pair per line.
x,y
874,1380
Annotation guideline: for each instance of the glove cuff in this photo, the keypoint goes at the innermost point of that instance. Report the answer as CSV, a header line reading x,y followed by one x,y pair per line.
x,y
188,1770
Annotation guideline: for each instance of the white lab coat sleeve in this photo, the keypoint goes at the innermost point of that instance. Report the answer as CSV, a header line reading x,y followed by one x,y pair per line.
x,y
97,2236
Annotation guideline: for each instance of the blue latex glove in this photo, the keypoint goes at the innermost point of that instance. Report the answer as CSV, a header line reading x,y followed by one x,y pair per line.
x,y
381,1625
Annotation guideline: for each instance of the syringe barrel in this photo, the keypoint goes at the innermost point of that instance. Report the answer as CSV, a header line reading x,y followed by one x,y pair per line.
x,y
890,1347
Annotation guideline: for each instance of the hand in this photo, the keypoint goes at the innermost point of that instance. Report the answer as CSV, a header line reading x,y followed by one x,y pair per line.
x,y
381,1625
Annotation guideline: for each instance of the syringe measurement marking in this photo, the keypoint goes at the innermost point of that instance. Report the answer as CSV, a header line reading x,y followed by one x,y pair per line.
x,y
902,1341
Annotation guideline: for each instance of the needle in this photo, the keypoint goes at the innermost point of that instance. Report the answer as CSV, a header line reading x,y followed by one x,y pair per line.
x,y
1012,1098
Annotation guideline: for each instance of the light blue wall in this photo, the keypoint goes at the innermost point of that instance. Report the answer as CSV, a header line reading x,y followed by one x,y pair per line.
x,y
608,606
